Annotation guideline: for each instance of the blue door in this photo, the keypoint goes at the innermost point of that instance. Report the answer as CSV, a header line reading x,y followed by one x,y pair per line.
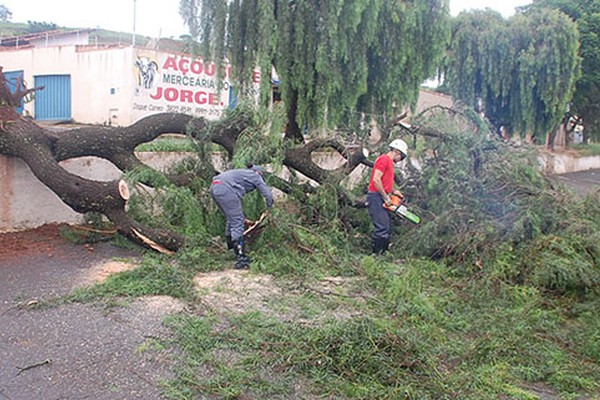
x,y
12,77
54,101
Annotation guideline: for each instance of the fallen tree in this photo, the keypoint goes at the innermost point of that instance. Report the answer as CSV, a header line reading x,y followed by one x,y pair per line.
x,y
43,150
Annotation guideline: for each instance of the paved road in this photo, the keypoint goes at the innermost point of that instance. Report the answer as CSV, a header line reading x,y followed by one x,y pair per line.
x,y
75,351
582,182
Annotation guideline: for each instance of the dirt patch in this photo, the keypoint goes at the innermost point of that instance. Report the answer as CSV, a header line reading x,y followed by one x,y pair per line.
x,y
39,241
235,291
238,292
100,272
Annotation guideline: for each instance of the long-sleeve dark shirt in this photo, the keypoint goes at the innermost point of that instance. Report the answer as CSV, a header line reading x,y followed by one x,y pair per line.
x,y
242,181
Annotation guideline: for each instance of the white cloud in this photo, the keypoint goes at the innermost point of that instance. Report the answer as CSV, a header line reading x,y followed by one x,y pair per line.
x,y
157,18
504,7
153,18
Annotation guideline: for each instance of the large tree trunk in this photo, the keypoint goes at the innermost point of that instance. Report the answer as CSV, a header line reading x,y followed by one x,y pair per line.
x,y
43,150
292,130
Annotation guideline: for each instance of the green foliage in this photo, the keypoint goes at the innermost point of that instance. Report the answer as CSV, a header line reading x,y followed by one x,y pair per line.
x,y
35,26
154,277
425,333
586,99
564,263
495,293
494,62
5,13
331,57
262,142
486,206
168,144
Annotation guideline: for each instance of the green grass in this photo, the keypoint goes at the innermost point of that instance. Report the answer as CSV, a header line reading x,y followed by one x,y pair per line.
x,y
497,325
423,335
412,329
166,144
156,276
586,150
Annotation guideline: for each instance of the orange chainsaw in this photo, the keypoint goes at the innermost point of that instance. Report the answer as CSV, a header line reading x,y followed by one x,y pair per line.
x,y
397,207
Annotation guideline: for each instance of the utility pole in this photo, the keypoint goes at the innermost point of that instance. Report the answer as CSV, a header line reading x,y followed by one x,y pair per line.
x,y
133,39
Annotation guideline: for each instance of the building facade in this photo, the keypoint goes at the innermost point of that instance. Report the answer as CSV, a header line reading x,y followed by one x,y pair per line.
x,y
111,84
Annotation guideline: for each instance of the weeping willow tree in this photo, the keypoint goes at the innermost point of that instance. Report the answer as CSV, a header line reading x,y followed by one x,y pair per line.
x,y
521,72
335,59
586,99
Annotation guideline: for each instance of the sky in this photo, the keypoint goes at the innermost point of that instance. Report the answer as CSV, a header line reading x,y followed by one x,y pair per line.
x,y
157,18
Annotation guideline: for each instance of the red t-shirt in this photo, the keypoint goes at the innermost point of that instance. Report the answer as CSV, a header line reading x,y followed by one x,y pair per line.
x,y
385,165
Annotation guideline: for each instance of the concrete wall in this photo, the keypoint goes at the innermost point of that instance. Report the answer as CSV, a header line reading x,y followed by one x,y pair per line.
x,y
26,203
556,164
429,98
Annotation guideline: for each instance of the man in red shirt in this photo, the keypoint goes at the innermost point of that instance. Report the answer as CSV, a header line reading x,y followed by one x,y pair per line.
x,y
381,186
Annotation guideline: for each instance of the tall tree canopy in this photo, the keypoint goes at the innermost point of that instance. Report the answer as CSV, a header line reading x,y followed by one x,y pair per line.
x,y
522,71
334,59
586,99
5,13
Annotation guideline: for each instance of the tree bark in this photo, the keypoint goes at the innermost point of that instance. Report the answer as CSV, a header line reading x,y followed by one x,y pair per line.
x,y
43,150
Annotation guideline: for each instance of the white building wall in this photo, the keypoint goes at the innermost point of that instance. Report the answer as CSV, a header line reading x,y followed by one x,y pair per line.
x,y
121,84
78,37
101,83
102,86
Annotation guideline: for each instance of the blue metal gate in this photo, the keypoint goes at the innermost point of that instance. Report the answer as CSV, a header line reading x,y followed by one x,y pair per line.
x,y
12,77
54,102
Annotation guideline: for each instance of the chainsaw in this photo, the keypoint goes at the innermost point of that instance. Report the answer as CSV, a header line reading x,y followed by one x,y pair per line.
x,y
397,207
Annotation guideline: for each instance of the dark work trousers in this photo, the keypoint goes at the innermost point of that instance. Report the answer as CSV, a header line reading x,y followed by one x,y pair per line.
x,y
382,220
231,206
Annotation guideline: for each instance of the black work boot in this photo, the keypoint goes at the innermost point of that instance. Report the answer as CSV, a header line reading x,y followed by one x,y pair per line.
x,y
385,244
242,261
379,245
230,242
376,246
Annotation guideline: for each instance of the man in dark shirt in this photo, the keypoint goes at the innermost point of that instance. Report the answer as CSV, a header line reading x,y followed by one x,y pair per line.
x,y
228,189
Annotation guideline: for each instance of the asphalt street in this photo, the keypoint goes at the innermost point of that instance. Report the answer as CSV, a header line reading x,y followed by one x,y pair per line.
x,y
582,182
74,350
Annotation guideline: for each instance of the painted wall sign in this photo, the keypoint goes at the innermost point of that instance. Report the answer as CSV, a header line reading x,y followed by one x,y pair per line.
x,y
178,83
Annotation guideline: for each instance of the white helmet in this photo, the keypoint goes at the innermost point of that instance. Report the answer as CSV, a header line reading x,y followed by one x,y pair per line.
x,y
400,145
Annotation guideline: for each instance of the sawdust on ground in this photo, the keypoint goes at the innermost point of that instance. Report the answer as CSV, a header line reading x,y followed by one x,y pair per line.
x,y
100,272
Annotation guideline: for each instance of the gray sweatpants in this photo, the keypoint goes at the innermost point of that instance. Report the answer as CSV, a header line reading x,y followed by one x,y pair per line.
x,y
382,220
231,206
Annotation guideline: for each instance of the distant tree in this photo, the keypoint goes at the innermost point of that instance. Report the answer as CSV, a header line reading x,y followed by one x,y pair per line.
x,y
481,62
5,13
334,59
586,99
34,26
521,71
